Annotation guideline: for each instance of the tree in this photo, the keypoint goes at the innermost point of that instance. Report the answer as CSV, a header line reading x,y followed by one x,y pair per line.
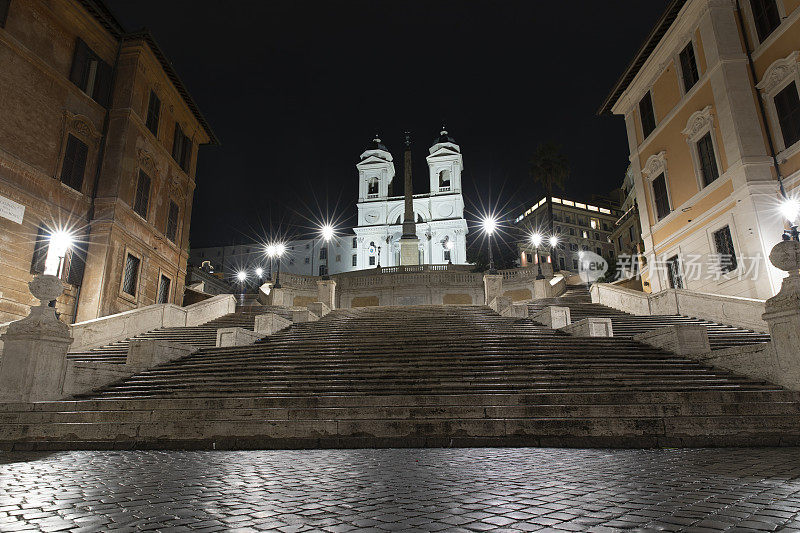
x,y
550,168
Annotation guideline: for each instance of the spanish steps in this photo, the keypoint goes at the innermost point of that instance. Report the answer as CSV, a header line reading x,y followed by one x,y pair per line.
x,y
416,376
627,325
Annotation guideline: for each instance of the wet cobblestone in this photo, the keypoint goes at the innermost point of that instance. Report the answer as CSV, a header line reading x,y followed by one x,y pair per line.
x,y
403,490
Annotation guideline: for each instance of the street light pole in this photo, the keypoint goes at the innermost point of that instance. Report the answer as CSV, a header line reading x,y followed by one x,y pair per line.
x,y
536,240
279,249
489,225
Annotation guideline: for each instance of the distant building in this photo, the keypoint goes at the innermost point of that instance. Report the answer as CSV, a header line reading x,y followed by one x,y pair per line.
x,y
578,226
627,234
98,143
711,102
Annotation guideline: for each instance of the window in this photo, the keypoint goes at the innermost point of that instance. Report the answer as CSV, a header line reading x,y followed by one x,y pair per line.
x,y
708,161
599,250
766,17
574,264
594,223
447,255
323,253
306,260
40,246
558,229
585,248
181,148
573,247
4,4
163,290
619,242
611,254
674,273
153,112
355,259
172,221
723,243
660,197
787,105
630,234
372,260
572,231
585,234
561,263
355,242
74,165
597,236
338,258
77,262
91,74
373,187
647,114
142,195
321,270
528,258
131,275
688,67
444,180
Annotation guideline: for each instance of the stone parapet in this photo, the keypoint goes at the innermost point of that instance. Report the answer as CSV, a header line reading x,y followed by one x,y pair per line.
x,y
303,315
270,323
318,308
553,316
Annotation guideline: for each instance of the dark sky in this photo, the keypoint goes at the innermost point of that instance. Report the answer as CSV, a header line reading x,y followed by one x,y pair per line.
x,y
295,90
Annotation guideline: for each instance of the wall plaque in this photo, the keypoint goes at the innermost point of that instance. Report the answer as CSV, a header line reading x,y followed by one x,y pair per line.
x,y
11,210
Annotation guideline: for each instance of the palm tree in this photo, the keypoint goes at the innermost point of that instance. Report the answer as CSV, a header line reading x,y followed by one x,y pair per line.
x,y
550,168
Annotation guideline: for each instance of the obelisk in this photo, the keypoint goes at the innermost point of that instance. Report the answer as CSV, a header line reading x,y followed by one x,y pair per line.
x,y
409,242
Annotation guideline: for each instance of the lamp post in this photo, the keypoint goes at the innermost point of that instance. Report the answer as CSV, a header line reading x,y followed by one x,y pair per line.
x,y
553,240
536,240
327,234
271,255
790,209
60,243
280,248
489,225
259,273
242,277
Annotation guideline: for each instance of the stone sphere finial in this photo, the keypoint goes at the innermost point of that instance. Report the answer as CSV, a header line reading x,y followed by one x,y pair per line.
x,y
46,288
786,256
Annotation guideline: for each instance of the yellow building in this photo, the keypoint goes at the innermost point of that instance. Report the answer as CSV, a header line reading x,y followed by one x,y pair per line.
x,y
712,111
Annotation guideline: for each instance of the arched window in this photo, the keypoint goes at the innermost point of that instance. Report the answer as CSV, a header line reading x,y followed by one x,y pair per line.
x,y
444,180
373,187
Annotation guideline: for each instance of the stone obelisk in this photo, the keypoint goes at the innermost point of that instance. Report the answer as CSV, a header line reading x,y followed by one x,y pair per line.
x,y
409,242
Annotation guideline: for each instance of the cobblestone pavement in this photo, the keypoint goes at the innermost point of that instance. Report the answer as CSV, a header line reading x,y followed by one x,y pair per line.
x,y
403,490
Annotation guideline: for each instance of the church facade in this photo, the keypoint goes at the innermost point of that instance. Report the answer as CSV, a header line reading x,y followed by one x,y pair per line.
x,y
440,224
439,214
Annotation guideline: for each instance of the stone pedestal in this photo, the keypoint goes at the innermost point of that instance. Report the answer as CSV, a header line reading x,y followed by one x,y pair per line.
x,y
270,323
680,339
34,363
782,312
326,289
302,314
590,327
553,316
236,337
318,308
409,251
278,297
492,287
542,289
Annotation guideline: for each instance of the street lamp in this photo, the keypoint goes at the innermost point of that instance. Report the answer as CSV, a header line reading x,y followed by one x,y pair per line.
x,y
242,277
553,243
280,248
327,234
489,225
271,255
536,240
60,242
259,272
790,209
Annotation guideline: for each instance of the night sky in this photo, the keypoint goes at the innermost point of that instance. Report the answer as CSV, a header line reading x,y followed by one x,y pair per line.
x,y
295,90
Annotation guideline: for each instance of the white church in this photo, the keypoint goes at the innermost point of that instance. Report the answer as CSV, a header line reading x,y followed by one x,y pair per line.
x,y
440,225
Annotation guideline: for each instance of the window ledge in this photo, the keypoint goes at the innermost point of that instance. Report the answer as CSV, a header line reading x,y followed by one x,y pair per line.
x,y
789,152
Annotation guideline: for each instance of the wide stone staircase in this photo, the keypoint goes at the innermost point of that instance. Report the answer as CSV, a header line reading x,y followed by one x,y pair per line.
x,y
202,336
626,325
417,376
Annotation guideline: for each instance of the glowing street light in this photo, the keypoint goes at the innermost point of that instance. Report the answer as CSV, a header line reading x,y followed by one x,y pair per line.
x,y
259,272
270,249
280,249
536,240
327,232
60,242
489,225
790,209
553,241
241,276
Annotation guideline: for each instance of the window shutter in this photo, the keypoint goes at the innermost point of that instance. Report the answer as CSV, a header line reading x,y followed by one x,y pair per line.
x,y
74,165
80,60
40,251
77,263
172,221
787,104
153,113
4,4
142,198
187,153
177,140
102,85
